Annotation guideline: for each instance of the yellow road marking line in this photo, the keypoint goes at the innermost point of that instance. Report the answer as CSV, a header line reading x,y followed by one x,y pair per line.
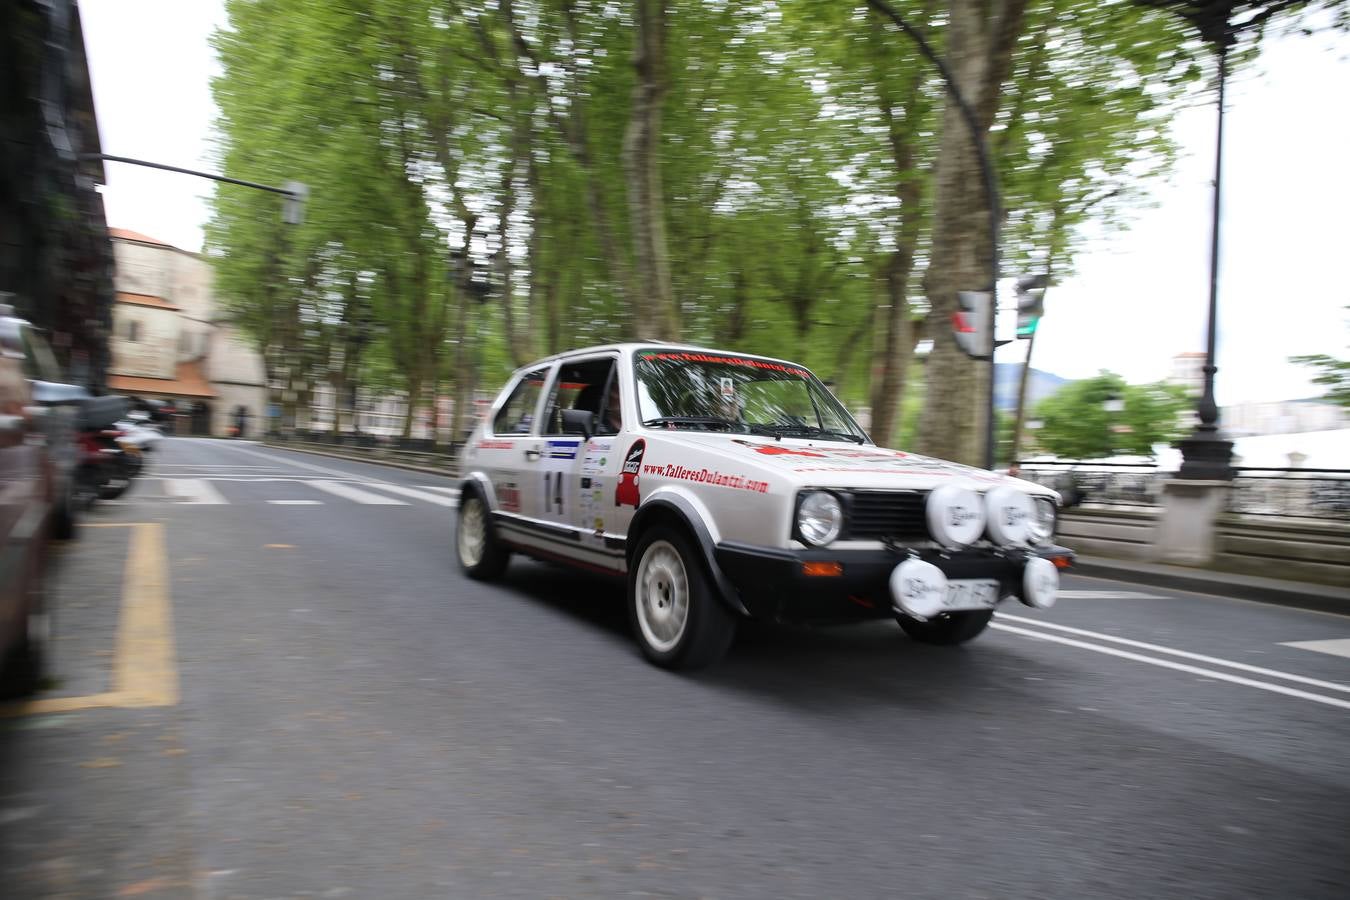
x,y
144,671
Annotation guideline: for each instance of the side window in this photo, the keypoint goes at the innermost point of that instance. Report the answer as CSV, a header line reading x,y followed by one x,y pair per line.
x,y
581,385
517,414
39,362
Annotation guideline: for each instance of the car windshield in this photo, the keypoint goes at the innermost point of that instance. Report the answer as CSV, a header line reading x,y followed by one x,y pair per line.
x,y
739,394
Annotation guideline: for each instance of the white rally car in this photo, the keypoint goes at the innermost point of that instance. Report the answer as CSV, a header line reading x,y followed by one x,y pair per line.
x,y
727,486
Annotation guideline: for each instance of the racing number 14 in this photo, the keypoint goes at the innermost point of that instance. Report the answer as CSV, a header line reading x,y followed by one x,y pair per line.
x,y
553,492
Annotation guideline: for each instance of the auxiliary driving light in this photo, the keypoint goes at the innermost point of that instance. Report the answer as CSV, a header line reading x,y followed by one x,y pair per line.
x,y
1040,583
955,516
918,588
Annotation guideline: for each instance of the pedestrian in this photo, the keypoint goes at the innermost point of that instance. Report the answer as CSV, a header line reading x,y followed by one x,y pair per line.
x,y
240,420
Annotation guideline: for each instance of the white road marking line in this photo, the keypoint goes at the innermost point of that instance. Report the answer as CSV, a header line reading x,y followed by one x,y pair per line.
x,y
1338,647
200,466
1198,657
1107,595
195,491
357,495
409,492
297,502
1180,667
297,464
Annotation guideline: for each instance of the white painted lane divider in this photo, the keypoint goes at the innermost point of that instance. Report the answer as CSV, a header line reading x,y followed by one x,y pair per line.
x,y
296,502
356,495
1180,667
194,490
1106,595
416,495
1198,657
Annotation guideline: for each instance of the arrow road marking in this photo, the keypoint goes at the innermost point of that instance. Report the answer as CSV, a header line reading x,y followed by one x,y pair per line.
x,y
1340,647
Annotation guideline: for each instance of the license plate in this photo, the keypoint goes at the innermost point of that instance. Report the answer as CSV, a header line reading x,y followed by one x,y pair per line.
x,y
971,594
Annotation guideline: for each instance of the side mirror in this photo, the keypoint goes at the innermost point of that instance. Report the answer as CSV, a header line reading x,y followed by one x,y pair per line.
x,y
578,421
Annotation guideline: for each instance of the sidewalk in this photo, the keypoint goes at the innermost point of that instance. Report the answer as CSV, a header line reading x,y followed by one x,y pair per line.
x,y
1303,595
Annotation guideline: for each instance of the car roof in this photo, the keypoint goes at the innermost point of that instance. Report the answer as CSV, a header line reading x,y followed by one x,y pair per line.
x,y
629,347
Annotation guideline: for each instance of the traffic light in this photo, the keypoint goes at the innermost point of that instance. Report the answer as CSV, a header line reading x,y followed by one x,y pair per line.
x,y
293,203
970,324
1030,304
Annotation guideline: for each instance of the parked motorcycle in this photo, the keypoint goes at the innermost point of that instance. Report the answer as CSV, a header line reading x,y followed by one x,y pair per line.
x,y
107,461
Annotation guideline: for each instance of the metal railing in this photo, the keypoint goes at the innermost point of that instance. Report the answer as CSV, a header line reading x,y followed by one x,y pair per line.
x,y
1099,483
1289,492
1302,493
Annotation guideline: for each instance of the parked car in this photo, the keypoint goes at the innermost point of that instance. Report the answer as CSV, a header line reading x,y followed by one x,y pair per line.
x,y
727,486
26,489
55,411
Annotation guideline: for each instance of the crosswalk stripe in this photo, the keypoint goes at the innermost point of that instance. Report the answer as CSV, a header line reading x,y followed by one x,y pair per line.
x,y
194,490
297,502
356,495
416,495
453,492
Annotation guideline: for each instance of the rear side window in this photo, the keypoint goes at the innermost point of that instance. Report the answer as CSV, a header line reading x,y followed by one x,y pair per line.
x,y
517,414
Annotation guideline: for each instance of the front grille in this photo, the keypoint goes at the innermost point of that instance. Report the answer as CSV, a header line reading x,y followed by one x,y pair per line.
x,y
898,515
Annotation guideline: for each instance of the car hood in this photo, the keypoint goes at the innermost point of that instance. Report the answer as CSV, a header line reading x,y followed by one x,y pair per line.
x,y
804,463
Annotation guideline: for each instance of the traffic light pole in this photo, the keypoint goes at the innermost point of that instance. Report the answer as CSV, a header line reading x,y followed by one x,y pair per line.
x,y
295,192
992,195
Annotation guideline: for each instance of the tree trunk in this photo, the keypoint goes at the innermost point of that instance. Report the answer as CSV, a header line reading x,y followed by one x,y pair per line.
x,y
897,350
980,36
655,304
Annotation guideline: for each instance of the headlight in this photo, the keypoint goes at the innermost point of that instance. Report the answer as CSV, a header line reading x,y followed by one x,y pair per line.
x,y
1011,513
820,518
1043,523
955,516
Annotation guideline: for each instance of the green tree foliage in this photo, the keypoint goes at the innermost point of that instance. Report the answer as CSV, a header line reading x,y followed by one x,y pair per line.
x,y
493,180
1332,373
1080,420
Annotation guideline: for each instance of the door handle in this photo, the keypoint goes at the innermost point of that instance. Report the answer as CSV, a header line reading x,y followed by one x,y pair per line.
x,y
533,453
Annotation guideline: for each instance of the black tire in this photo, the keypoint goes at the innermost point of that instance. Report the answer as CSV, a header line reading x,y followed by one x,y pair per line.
x,y
63,514
483,561
120,472
947,630
22,669
708,626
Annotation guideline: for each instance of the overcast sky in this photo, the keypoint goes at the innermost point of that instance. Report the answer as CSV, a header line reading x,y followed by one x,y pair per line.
x,y
1138,298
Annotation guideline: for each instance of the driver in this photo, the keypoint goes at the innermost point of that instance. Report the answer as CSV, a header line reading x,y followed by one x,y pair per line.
x,y
613,414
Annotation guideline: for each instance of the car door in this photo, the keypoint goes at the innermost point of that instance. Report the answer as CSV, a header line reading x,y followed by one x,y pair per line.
x,y
509,450
574,515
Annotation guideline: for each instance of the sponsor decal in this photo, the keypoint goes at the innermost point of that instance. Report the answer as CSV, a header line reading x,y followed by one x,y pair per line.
x,y
787,451
496,445
708,476
728,361
508,495
563,449
626,492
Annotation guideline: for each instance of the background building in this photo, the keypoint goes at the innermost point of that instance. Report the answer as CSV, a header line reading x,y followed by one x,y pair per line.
x,y
54,254
170,342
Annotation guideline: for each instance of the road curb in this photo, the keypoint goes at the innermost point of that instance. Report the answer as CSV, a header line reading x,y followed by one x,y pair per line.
x,y
355,457
1317,597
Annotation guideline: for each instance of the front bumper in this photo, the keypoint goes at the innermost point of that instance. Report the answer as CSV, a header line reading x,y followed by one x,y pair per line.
x,y
771,582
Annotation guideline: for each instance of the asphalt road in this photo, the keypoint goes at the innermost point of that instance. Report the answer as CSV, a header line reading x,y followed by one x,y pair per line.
x,y
306,699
